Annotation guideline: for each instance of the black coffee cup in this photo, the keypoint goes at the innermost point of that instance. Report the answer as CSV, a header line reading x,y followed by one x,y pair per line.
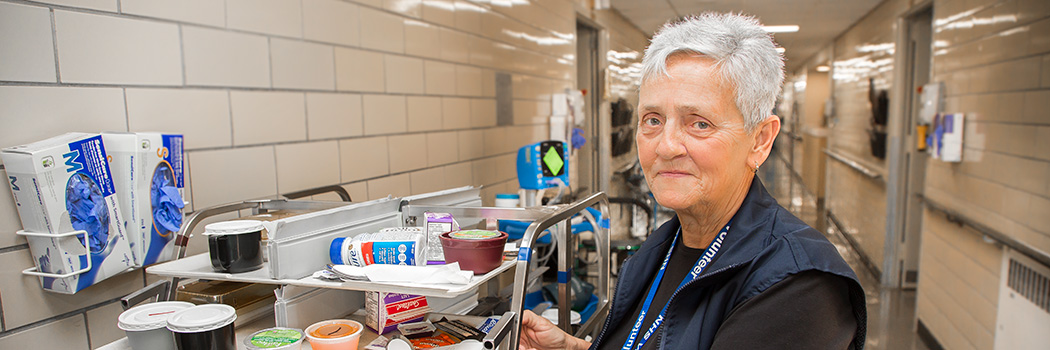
x,y
204,327
235,246
222,338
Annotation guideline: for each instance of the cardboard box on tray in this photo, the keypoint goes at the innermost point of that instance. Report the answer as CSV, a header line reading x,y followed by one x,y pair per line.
x,y
386,310
61,185
148,172
435,224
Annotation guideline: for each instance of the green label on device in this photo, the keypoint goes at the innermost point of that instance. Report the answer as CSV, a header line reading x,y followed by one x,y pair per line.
x,y
553,161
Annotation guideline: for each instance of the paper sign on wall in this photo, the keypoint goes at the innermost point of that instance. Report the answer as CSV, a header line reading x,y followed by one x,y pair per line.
x,y
946,140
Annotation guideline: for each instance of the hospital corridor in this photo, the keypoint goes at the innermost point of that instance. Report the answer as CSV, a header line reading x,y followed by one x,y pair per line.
x,y
525,174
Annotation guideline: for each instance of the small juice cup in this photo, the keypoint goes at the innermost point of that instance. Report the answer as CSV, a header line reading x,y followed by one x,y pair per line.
x,y
334,335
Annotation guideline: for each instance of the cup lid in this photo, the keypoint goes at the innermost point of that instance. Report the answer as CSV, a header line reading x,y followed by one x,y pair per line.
x,y
333,330
233,227
202,318
335,250
150,316
474,234
276,337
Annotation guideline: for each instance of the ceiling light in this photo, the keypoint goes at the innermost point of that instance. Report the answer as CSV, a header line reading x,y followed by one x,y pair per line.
x,y
781,29
823,68
781,49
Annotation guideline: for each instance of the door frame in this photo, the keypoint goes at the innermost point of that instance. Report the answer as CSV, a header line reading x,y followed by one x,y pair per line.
x,y
906,165
596,128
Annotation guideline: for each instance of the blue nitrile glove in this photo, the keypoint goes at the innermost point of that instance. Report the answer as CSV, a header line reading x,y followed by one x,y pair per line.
x,y
165,200
87,210
577,138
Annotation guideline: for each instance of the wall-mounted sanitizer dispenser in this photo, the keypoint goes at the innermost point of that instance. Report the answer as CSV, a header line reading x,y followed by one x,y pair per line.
x,y
541,164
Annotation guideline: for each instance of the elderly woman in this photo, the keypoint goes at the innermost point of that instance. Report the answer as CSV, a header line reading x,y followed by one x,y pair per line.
x,y
733,269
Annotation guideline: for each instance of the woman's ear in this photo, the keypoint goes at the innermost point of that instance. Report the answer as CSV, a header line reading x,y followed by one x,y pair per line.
x,y
764,134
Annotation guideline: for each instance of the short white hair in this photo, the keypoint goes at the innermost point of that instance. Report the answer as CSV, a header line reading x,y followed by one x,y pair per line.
x,y
744,54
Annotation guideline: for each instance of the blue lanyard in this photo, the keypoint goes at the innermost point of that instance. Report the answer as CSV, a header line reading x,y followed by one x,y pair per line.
x,y
698,268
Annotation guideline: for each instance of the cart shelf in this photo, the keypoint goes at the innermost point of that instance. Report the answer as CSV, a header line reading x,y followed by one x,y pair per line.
x,y
294,245
199,266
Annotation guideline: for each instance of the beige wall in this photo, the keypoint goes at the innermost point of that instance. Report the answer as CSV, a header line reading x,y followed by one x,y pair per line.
x,y
998,73
994,60
813,139
863,52
390,97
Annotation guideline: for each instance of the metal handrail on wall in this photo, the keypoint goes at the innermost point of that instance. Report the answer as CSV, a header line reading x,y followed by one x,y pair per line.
x,y
996,235
874,175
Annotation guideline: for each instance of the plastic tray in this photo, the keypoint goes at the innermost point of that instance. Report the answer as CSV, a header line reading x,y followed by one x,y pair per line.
x,y
199,266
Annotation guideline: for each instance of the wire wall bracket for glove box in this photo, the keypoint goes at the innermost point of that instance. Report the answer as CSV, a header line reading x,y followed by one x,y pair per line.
x,y
36,270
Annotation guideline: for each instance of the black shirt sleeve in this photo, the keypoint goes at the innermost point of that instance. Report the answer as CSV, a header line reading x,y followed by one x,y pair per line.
x,y
809,310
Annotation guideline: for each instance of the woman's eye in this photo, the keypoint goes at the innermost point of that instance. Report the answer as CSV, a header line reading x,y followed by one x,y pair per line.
x,y
701,125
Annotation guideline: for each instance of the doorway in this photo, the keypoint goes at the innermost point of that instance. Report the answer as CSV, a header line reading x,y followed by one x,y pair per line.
x,y
906,182
814,137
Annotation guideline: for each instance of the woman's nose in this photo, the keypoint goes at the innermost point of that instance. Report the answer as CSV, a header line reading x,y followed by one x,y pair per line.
x,y
669,143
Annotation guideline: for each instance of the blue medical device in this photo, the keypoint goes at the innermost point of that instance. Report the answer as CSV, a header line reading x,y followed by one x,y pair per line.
x,y
539,164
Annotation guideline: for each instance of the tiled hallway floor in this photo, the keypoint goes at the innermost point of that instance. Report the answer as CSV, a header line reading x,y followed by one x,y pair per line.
x,y
891,311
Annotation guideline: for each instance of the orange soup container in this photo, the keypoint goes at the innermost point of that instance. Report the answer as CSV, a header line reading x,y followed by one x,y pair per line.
x,y
334,335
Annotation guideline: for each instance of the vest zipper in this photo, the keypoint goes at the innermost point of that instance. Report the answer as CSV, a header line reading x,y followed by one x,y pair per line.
x,y
612,303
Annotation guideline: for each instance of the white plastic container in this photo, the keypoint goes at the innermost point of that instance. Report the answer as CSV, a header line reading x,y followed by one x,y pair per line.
x,y
402,247
551,314
146,325
507,200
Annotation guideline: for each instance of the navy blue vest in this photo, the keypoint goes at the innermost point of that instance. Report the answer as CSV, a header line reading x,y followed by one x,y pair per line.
x,y
765,244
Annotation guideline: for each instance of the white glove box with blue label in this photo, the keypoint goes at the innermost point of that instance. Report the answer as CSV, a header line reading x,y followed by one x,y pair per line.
x,y
148,172
70,213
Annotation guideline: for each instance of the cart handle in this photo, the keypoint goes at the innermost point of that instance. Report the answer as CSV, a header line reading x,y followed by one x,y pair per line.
x,y
158,289
561,214
339,190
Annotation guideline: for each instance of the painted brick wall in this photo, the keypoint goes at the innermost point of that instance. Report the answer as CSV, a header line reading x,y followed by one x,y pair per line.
x,y
391,97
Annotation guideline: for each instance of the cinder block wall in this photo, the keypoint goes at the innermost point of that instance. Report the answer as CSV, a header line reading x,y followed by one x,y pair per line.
x,y
994,60
863,52
390,97
999,75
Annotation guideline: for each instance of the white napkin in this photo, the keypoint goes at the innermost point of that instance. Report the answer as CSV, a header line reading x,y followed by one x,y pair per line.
x,y
351,272
434,274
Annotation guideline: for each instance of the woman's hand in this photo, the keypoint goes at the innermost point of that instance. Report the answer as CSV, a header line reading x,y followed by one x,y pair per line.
x,y
539,333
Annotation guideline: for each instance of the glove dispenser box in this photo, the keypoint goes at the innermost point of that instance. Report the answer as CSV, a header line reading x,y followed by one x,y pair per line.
x,y
67,202
148,170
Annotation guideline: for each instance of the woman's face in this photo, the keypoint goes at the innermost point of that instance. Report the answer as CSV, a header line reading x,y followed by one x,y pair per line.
x,y
692,142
